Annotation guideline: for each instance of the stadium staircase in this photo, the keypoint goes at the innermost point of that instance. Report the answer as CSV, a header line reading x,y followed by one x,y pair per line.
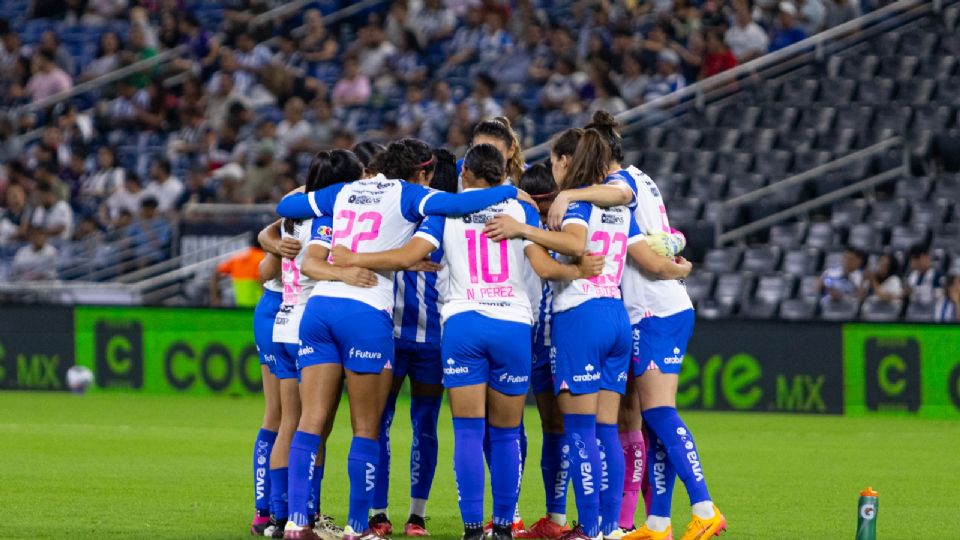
x,y
773,167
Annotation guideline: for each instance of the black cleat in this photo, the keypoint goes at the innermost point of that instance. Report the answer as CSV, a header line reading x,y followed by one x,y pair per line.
x,y
501,533
472,533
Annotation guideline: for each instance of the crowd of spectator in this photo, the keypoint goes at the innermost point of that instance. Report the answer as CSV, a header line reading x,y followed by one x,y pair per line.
x,y
236,114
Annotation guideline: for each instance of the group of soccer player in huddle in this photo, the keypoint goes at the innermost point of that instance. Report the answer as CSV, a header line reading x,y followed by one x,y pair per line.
x,y
484,278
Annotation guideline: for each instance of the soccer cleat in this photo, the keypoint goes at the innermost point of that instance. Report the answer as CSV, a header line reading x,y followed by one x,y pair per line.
x,y
380,524
501,533
259,524
517,526
473,534
369,534
577,533
294,532
327,529
617,534
544,528
416,526
645,533
701,529
275,528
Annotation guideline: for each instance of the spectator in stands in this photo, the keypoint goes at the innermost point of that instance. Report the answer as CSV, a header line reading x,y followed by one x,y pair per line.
x,y
844,282
316,44
437,113
163,186
667,79
52,214
261,176
608,97
410,113
841,11
150,234
786,31
224,94
495,43
883,280
811,15
125,199
121,112
353,88
719,57
632,81
947,309
169,36
466,40
481,103
746,39
203,49
75,175
199,188
107,177
435,22
250,56
11,57
522,124
107,60
923,280
372,50
322,123
407,64
36,261
136,50
47,79
244,272
50,43
13,216
293,132
563,85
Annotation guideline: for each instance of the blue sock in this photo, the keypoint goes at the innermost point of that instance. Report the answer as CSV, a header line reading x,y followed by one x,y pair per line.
x,y
261,466
468,436
424,414
486,445
662,478
313,506
362,469
681,450
278,493
554,471
523,446
381,493
303,455
581,431
504,473
611,488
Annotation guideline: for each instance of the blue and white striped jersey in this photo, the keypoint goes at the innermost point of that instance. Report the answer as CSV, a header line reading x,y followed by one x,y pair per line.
x,y
416,311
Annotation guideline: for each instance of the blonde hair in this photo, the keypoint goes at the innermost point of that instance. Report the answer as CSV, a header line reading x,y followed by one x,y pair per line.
x,y
500,128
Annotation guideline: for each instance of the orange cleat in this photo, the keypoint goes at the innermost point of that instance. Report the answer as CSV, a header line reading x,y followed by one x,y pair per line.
x,y
544,528
701,529
645,533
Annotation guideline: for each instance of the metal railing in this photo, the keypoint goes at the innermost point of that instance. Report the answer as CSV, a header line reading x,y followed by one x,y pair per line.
x,y
788,58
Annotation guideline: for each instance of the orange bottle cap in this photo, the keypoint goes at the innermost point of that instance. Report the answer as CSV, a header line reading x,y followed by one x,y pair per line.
x,y
869,492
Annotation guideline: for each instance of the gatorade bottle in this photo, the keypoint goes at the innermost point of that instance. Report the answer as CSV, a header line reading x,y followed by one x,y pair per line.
x,y
867,515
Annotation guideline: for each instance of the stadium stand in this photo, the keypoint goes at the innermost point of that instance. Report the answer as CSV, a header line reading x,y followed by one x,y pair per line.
x,y
235,97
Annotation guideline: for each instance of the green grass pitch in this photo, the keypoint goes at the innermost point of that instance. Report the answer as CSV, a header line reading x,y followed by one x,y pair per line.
x,y
125,466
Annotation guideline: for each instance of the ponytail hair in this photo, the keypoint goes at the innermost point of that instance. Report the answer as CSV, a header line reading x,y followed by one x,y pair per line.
x,y
328,168
366,150
565,144
445,172
538,181
590,163
486,162
607,126
500,129
403,159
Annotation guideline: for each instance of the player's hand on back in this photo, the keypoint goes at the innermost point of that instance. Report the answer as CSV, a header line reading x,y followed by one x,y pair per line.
x,y
289,248
525,197
590,266
341,256
557,210
358,277
426,265
503,227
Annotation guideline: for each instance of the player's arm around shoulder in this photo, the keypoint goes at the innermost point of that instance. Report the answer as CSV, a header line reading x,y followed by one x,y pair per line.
x,y
603,195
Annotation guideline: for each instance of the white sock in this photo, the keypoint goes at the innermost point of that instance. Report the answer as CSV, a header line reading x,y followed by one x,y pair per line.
x,y
375,511
418,507
516,514
703,509
559,519
658,523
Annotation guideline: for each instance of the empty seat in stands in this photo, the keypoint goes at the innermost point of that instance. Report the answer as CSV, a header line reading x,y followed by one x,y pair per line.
x,y
772,164
801,262
761,259
709,308
918,43
832,259
875,309
912,188
740,116
837,91
681,139
899,68
700,285
684,211
798,309
947,187
731,288
937,67
917,92
946,237
886,44
774,289
722,139
659,162
759,309
696,162
839,141
947,91
820,235
799,91
818,118
760,140
722,260
839,310
745,183
888,213
779,117
848,212
903,237
788,236
709,187
931,117
929,213
809,288
733,163
864,236
853,116
804,161
860,67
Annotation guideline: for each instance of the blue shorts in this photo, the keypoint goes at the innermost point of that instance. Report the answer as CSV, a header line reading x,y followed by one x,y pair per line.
x,y
286,365
421,361
482,350
591,347
347,332
263,317
541,379
661,342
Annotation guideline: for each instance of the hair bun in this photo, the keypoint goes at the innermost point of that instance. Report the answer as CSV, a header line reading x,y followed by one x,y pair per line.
x,y
503,120
603,119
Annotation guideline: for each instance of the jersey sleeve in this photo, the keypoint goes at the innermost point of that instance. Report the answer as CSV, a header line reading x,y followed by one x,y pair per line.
x,y
578,213
321,231
624,178
634,235
308,205
431,230
531,217
449,204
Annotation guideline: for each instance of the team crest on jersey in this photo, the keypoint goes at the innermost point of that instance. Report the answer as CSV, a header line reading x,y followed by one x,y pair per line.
x,y
325,230
477,218
364,199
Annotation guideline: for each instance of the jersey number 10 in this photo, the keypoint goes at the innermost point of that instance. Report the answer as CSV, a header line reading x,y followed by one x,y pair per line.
x,y
483,259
